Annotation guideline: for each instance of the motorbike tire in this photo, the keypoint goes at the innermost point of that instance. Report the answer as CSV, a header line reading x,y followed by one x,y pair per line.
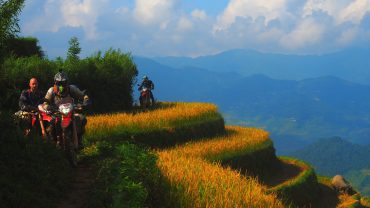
x,y
69,147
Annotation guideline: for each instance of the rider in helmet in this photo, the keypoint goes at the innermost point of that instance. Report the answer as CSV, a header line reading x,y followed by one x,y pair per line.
x,y
60,90
149,85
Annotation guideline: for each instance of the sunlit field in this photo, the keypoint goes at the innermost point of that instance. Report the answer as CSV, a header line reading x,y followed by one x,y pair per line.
x,y
166,117
196,182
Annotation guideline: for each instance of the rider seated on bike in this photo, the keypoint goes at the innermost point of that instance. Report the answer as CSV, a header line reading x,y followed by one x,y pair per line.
x,y
147,83
28,102
54,96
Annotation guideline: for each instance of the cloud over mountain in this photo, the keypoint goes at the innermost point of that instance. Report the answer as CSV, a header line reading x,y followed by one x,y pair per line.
x,y
175,27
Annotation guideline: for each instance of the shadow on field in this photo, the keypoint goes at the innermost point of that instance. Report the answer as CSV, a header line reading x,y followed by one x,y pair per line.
x,y
157,105
283,172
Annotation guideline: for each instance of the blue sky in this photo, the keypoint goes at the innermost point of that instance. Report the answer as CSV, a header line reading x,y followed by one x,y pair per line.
x,y
198,27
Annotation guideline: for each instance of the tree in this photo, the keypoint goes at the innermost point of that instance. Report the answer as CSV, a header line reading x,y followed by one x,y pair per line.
x,y
24,47
9,11
74,49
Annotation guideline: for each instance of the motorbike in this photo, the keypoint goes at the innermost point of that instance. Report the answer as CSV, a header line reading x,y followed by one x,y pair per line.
x,y
28,121
145,101
64,120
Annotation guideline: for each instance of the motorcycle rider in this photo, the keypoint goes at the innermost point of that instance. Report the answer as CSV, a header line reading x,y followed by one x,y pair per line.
x,y
28,102
147,83
54,96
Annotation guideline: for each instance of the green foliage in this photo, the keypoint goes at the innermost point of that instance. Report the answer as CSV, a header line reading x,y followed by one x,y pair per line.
x,y
74,50
16,75
9,11
33,173
108,78
127,176
23,47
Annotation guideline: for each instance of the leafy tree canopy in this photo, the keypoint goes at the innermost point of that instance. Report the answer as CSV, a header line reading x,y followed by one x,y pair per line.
x,y
9,11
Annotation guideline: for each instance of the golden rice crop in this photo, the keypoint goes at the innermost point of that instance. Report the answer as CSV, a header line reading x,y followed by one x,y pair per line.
x,y
210,185
200,183
238,139
159,118
204,184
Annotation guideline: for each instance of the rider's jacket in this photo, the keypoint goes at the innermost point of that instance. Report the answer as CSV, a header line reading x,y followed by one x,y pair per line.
x,y
148,84
54,98
29,100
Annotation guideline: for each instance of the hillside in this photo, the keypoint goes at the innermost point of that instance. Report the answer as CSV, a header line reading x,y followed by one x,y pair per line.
x,y
296,113
207,171
181,155
336,156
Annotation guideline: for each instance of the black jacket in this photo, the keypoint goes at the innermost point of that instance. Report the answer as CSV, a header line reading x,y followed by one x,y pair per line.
x,y
29,101
148,84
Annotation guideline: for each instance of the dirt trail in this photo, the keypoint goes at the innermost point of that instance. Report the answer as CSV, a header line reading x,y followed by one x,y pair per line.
x,y
77,196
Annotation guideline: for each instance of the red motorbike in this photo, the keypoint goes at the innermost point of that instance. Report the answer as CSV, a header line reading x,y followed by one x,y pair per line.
x,y
65,130
29,122
145,97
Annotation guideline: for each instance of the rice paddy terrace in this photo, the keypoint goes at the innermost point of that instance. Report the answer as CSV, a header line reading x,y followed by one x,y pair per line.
x,y
203,163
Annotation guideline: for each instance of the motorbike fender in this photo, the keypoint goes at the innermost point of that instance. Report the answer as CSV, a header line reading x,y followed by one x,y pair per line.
x,y
46,117
144,93
34,118
66,120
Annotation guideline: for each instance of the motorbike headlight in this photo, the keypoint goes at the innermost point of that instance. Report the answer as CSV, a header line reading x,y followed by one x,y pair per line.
x,y
65,109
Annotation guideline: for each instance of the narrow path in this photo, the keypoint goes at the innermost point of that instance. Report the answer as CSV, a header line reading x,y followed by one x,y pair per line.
x,y
77,196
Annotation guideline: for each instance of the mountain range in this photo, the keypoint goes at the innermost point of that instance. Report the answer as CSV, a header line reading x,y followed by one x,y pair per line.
x,y
297,111
351,64
331,156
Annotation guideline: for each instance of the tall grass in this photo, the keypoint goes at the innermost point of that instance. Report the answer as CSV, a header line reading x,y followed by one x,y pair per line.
x,y
195,182
169,124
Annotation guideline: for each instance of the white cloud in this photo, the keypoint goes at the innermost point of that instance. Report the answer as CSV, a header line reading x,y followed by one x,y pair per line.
x,y
153,11
199,14
82,14
72,13
354,12
162,27
184,24
341,10
254,9
308,32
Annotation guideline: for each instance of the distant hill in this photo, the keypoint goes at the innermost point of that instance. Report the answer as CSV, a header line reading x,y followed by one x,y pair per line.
x,y
295,112
336,156
351,64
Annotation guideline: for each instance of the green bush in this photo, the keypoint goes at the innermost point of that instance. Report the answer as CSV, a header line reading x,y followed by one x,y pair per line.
x,y
107,77
23,47
127,176
33,173
16,73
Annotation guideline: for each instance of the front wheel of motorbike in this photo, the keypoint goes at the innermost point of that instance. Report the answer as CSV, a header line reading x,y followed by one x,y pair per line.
x,y
70,149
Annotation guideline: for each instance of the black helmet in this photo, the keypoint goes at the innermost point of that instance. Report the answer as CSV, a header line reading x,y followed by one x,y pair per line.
x,y
61,78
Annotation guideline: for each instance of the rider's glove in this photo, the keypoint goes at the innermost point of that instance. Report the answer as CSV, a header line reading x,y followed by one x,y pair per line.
x,y
86,100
